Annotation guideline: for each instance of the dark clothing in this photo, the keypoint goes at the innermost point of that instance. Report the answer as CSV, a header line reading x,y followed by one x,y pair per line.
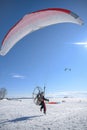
x,y
43,105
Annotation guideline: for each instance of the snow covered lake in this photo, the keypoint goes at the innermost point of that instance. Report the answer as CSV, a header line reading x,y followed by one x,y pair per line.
x,y
23,114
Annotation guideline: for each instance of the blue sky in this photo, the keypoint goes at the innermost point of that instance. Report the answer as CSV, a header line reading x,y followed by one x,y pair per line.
x,y
40,58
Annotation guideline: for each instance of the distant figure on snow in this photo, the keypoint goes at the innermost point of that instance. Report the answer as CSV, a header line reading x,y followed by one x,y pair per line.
x,y
41,100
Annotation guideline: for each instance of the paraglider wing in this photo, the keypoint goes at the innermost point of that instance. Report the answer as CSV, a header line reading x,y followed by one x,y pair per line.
x,y
67,69
35,21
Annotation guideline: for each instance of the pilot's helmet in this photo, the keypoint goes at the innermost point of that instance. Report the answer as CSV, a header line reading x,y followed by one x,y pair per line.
x,y
42,93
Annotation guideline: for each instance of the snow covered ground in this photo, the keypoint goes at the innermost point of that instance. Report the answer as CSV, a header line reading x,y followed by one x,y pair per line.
x,y
68,114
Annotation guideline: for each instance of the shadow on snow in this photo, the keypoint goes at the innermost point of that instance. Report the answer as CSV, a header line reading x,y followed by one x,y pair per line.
x,y
24,118
21,119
